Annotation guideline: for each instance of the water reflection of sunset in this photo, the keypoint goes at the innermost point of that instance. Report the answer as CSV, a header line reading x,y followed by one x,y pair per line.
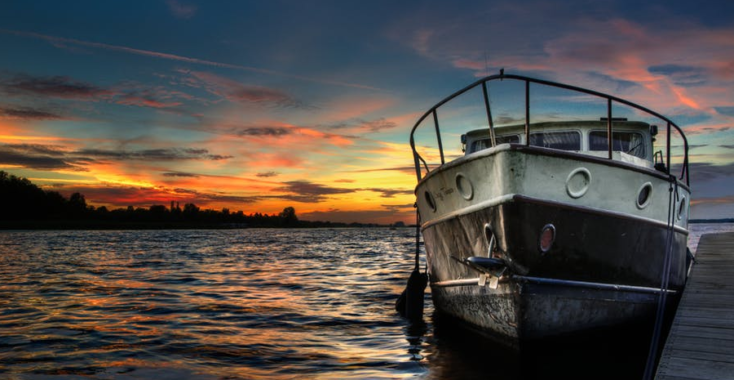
x,y
250,303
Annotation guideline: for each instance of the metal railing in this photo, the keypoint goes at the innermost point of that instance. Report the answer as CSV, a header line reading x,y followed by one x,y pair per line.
x,y
611,100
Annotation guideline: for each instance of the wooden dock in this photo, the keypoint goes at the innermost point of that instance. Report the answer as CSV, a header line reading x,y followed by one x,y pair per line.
x,y
701,341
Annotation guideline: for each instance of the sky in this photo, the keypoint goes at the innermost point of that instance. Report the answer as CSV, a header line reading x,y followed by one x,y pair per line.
x,y
261,105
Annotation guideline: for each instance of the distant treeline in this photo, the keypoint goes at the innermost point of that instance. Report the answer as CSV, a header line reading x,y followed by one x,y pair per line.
x,y
25,205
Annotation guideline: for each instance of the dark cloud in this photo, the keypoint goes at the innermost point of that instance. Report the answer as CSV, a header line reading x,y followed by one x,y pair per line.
x,y
702,171
308,192
55,86
42,149
53,157
180,174
507,120
389,193
681,75
267,174
368,125
39,157
728,111
123,196
170,154
403,169
619,84
146,98
263,131
236,92
25,113
262,95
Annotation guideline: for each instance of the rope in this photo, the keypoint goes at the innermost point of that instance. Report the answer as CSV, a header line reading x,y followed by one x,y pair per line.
x,y
664,281
417,238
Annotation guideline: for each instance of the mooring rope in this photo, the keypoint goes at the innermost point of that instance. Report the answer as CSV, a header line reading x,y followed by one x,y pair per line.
x,y
664,281
417,238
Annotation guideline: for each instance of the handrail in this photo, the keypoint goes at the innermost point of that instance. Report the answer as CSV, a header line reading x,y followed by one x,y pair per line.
x,y
502,76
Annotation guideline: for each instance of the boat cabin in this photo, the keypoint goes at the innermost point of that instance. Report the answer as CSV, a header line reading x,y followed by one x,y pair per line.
x,y
632,140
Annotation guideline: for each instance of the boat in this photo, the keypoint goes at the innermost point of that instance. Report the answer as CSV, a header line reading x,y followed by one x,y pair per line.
x,y
564,210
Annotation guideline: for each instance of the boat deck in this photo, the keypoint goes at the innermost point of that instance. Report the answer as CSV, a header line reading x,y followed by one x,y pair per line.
x,y
701,340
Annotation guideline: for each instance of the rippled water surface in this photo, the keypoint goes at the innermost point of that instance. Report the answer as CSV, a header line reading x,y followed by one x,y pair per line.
x,y
232,304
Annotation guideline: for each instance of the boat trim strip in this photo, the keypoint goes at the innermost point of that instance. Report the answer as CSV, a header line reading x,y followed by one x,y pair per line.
x,y
556,282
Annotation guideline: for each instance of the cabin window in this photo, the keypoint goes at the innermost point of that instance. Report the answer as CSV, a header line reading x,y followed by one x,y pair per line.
x,y
628,142
557,140
485,143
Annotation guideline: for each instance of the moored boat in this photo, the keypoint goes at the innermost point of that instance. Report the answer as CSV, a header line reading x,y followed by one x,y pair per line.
x,y
559,224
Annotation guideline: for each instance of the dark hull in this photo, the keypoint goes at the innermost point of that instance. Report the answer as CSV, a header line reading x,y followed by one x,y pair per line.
x,y
602,269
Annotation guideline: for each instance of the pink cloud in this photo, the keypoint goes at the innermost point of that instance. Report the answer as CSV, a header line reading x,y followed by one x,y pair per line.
x,y
237,92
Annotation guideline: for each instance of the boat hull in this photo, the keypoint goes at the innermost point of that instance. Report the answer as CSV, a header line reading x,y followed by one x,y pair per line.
x,y
603,269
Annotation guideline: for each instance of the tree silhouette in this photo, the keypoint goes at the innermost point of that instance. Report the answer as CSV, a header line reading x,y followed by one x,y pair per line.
x,y
22,201
288,217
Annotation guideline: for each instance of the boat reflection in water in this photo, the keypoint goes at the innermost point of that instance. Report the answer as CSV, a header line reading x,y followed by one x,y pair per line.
x,y
451,349
568,215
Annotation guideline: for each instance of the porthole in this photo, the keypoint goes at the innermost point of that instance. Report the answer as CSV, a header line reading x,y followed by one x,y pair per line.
x,y
577,183
644,195
682,208
431,202
465,187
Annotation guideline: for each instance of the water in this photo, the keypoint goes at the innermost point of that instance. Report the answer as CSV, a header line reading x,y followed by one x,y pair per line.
x,y
241,304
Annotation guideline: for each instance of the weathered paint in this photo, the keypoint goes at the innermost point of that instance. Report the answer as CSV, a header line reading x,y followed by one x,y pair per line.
x,y
602,237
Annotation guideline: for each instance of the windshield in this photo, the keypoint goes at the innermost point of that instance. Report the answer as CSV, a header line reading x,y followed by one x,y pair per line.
x,y
570,140
628,142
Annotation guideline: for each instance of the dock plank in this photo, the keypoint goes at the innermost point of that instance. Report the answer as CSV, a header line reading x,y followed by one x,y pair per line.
x,y
700,344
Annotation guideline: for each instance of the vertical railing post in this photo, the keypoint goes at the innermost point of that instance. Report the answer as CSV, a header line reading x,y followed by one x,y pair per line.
x,y
417,165
489,114
667,149
609,127
527,113
438,136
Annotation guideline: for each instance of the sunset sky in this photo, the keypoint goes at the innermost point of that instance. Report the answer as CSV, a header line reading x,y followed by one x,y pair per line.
x,y
260,105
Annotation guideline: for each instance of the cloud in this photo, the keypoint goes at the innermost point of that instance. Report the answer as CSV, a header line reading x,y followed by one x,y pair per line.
x,y
180,10
681,75
263,131
168,154
237,92
38,157
56,86
123,196
54,157
180,174
703,171
267,174
390,193
66,88
146,98
61,41
728,111
284,136
360,125
27,114
308,192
